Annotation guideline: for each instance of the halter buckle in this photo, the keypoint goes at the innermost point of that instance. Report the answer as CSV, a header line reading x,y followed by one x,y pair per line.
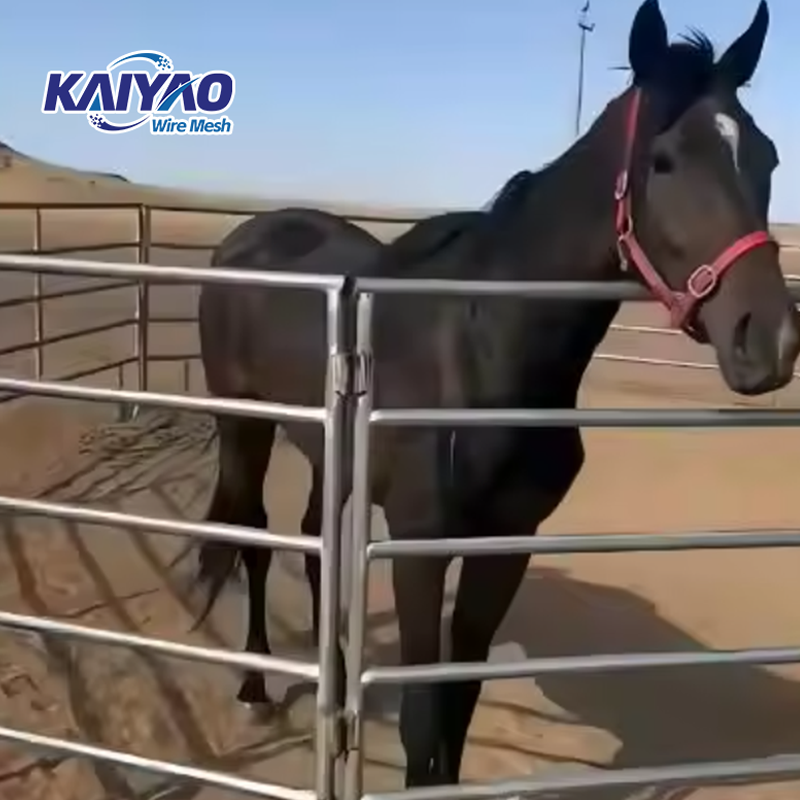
x,y
621,188
702,282
622,253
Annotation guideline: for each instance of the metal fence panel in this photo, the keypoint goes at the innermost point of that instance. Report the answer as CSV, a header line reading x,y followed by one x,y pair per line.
x,y
344,432
363,551
332,417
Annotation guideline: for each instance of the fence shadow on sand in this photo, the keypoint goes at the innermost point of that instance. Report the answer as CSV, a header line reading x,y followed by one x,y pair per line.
x,y
660,717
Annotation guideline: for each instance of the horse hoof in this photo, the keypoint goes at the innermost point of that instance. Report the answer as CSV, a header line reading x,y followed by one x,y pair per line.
x,y
260,713
253,695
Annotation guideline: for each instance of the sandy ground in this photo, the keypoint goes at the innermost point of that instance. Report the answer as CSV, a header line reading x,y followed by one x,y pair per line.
x,y
568,605
638,481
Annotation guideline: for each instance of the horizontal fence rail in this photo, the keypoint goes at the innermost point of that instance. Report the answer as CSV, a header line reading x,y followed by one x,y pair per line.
x,y
77,292
231,534
280,412
171,274
152,766
69,335
453,672
582,543
22,623
541,290
587,417
101,247
691,775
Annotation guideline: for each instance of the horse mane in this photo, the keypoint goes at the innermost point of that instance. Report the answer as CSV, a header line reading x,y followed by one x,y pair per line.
x,y
432,235
425,239
689,65
511,193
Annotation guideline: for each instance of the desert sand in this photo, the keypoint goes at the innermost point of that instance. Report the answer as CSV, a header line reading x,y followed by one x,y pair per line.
x,y
634,481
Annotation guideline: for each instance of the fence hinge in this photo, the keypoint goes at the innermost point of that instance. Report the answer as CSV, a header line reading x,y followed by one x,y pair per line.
x,y
352,373
362,373
352,732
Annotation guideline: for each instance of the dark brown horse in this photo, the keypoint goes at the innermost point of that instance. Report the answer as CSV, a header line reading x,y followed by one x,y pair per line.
x,y
672,182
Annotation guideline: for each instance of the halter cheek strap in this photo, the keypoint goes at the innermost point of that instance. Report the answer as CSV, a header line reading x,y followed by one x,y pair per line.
x,y
682,304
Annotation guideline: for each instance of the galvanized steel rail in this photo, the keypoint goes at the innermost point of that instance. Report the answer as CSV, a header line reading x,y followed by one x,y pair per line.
x,y
783,767
185,774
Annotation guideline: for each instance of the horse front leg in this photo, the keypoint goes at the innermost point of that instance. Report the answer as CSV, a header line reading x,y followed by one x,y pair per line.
x,y
419,595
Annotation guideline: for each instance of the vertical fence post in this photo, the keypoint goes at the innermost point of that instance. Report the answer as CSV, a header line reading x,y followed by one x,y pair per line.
x,y
143,300
38,303
338,394
142,312
361,515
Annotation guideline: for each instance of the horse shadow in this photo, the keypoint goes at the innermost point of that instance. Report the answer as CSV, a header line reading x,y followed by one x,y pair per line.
x,y
660,717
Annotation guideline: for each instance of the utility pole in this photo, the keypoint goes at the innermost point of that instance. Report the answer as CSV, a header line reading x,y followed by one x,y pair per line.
x,y
585,27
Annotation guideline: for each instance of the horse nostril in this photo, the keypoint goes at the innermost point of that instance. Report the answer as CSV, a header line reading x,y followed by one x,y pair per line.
x,y
740,336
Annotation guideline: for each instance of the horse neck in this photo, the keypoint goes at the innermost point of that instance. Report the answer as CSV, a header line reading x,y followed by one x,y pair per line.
x,y
564,226
564,231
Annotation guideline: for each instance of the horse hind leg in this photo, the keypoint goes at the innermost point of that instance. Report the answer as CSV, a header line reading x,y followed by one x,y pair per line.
x,y
312,526
245,447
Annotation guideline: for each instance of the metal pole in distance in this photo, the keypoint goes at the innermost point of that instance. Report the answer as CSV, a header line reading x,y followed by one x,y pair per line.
x,y
38,308
585,27
143,301
361,506
328,743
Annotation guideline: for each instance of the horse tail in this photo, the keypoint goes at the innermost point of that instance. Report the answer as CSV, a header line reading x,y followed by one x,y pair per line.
x,y
217,563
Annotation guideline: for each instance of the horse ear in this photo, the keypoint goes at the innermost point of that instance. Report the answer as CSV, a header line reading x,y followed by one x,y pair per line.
x,y
739,61
648,41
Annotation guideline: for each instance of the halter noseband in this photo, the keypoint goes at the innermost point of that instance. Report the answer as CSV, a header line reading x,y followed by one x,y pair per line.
x,y
681,304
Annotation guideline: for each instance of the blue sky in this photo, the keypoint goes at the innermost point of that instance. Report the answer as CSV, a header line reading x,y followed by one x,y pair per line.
x,y
409,102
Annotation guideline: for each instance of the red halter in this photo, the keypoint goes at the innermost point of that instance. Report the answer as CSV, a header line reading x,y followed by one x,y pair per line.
x,y
682,305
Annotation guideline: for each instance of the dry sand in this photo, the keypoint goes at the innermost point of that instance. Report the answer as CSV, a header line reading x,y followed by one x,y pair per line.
x,y
638,481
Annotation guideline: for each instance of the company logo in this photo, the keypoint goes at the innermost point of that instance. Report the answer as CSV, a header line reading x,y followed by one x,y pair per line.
x,y
154,95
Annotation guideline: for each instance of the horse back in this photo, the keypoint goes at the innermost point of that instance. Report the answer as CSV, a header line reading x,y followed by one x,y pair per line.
x,y
301,240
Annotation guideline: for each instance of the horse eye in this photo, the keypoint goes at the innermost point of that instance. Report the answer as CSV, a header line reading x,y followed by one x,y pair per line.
x,y
662,164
